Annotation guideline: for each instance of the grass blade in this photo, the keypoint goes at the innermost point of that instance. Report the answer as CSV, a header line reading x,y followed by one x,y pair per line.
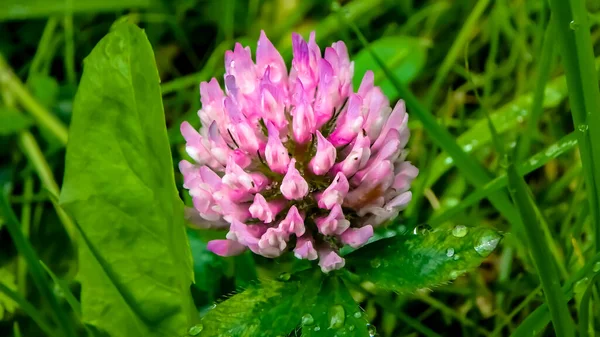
x,y
454,52
561,318
577,53
584,309
44,118
69,297
538,319
564,145
37,274
29,309
537,106
473,171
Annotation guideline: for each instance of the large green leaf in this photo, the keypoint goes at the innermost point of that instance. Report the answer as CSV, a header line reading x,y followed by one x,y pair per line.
x,y
335,314
408,262
268,308
136,268
307,301
404,55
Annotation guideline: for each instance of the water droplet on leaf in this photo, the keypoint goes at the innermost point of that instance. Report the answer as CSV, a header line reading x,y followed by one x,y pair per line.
x,y
371,329
285,276
307,319
336,316
357,314
317,328
596,267
454,274
574,25
195,330
581,285
582,127
487,242
460,231
422,229
450,252
351,328
375,263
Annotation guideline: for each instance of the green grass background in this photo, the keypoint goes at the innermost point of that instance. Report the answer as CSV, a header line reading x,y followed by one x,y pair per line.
x,y
505,122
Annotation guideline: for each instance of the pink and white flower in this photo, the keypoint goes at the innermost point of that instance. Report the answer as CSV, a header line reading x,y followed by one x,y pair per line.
x,y
295,161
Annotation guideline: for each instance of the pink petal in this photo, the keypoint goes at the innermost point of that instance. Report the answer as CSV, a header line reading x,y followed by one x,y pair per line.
x,y
325,156
239,64
335,193
303,123
334,223
276,154
405,176
268,56
225,247
293,186
305,248
293,222
358,157
350,124
330,260
263,210
356,237
193,217
272,243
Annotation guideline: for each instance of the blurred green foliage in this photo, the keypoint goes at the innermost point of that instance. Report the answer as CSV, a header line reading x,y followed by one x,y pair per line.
x,y
426,46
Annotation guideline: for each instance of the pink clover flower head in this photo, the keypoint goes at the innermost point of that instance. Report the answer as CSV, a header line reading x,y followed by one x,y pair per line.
x,y
295,161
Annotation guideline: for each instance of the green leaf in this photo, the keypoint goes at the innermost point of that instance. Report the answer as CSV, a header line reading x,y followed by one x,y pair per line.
x,y
7,305
335,313
539,248
135,268
408,262
12,121
45,89
504,119
269,308
405,56
27,9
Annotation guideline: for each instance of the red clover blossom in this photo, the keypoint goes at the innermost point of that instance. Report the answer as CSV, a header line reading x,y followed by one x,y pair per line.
x,y
296,161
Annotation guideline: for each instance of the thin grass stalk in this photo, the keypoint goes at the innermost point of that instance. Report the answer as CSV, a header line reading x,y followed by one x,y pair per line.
x,y
575,47
540,253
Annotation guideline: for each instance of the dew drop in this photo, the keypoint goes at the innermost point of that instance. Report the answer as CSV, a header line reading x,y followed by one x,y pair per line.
x,y
195,330
460,231
581,285
448,161
351,328
375,263
422,229
454,274
317,328
336,316
487,242
596,267
284,276
371,329
468,148
582,128
357,314
450,252
307,319
574,25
